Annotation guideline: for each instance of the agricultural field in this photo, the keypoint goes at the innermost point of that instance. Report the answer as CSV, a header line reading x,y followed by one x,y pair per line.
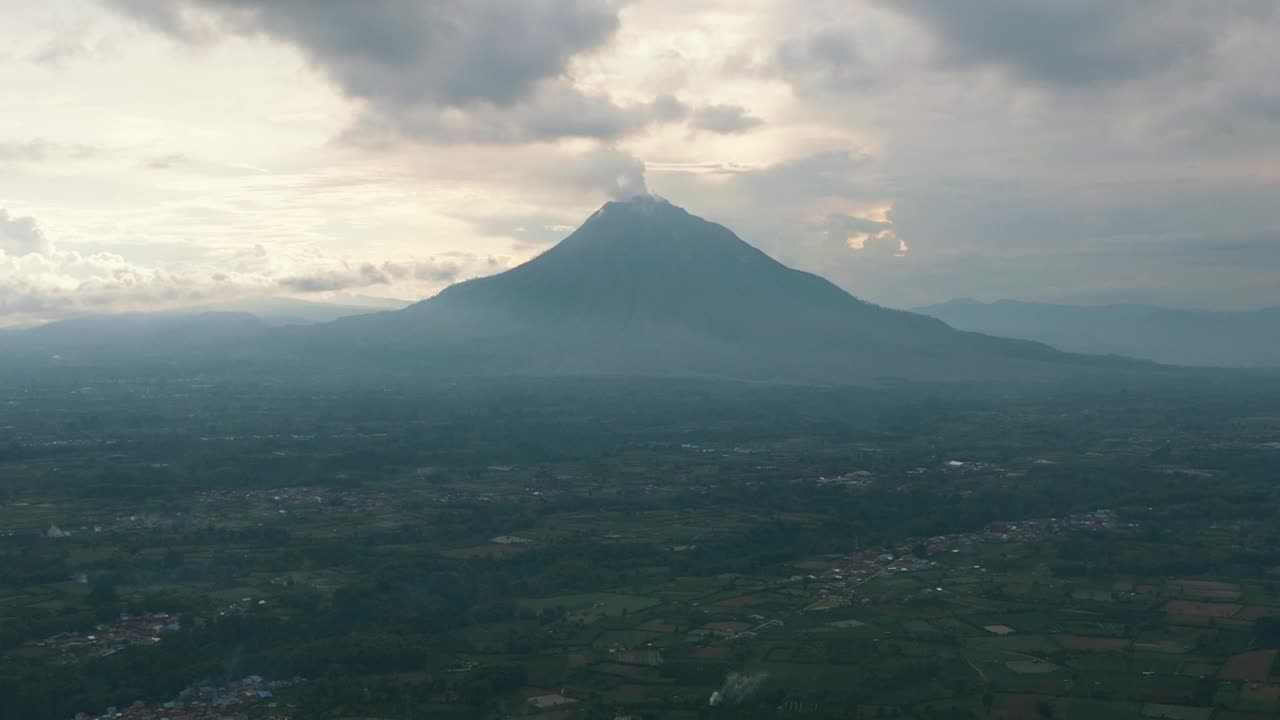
x,y
399,565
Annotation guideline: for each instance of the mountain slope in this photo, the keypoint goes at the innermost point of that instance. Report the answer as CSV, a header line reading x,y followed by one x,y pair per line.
x,y
644,287
1185,337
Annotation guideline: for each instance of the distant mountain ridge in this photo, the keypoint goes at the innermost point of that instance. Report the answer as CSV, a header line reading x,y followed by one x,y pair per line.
x,y
1168,335
203,329
134,337
292,311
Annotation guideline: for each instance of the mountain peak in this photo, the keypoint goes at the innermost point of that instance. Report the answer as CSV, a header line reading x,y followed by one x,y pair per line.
x,y
645,287
641,203
634,208
648,233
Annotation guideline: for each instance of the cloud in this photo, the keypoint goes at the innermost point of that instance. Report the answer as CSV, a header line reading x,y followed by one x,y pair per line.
x,y
446,268
780,194
534,227
61,43
41,151
867,237
825,59
555,111
165,162
434,271
41,286
352,276
616,174
475,70
41,281
1078,43
173,18
20,236
29,151
725,119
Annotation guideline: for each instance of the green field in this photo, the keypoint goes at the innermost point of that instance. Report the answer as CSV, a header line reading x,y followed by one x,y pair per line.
x,y
607,604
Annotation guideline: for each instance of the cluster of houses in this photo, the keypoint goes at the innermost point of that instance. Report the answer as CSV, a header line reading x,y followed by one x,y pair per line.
x,y
252,698
273,502
1024,531
106,640
838,579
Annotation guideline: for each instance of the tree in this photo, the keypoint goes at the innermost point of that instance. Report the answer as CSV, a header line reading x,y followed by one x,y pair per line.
x,y
1266,630
1046,709
173,558
103,594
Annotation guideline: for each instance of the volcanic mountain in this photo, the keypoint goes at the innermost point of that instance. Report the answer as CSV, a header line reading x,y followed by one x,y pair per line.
x,y
645,288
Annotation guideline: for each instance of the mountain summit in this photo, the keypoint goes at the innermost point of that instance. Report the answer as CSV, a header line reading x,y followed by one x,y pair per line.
x,y
648,262
645,288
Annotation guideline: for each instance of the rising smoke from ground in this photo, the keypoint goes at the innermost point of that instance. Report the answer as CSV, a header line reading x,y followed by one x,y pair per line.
x,y
738,687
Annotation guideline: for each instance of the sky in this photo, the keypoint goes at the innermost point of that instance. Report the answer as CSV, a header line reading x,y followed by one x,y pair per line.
x,y
162,153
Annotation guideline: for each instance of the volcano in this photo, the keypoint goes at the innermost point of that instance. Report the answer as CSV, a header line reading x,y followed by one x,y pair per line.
x,y
645,288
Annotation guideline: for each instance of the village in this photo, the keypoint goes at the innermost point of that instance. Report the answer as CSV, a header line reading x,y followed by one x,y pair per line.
x,y
840,578
251,698
107,640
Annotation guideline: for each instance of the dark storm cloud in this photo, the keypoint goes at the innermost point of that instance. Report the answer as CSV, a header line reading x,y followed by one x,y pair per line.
x,y
554,112
167,17
724,119
405,52
1079,43
477,70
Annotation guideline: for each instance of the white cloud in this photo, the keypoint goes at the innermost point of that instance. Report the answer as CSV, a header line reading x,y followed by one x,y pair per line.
x,y
40,281
727,119
20,236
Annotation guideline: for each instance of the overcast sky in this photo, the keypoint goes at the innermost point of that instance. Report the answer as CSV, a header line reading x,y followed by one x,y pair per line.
x,y
167,152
